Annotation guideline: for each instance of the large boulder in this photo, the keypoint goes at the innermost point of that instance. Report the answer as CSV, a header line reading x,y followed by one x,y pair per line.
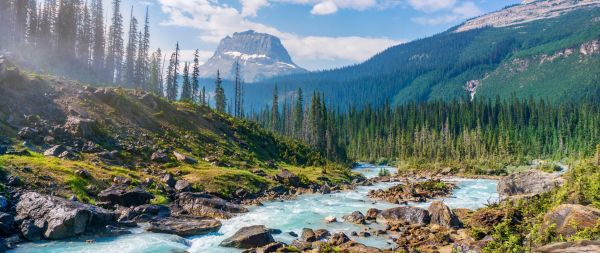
x,y
249,237
184,158
528,183
6,223
59,218
80,127
405,214
442,215
567,219
355,217
338,238
287,177
121,195
185,226
55,151
205,205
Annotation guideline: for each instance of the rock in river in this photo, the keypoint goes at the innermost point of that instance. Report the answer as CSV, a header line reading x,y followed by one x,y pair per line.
x,y
409,214
356,217
528,183
120,195
205,205
443,216
185,226
59,218
249,237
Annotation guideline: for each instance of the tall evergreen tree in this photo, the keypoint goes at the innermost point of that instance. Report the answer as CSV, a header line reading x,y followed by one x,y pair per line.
x,y
220,100
299,114
32,23
114,57
203,96
186,89
141,65
196,78
275,110
85,35
172,79
66,29
98,40
155,79
130,53
238,91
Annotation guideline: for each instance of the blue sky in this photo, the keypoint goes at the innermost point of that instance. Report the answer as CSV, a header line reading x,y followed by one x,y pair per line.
x,y
319,34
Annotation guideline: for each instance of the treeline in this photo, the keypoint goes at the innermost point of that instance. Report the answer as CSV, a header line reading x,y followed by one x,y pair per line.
x,y
75,38
458,130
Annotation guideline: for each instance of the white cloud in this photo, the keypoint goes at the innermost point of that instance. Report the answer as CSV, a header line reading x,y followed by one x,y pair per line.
x,y
457,13
251,7
215,21
324,8
431,5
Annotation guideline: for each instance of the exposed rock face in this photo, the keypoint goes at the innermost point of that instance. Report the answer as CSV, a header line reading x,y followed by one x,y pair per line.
x,y
443,216
526,12
260,56
571,218
408,214
120,195
528,183
249,237
204,205
356,218
571,247
58,218
185,226
55,151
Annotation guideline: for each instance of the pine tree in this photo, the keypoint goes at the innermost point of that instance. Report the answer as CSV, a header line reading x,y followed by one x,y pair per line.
x,y
220,100
275,110
196,78
85,35
114,58
98,40
155,81
66,29
172,79
141,65
299,114
32,23
238,91
203,96
186,90
130,53
19,20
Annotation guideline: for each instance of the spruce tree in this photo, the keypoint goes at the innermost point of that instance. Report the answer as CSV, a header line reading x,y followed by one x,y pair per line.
x,y
220,100
130,53
275,110
98,40
298,114
114,57
172,79
155,80
196,78
141,66
84,35
186,89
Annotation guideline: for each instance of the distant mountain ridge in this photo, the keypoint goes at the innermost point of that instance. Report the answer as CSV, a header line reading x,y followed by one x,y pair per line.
x,y
555,56
260,56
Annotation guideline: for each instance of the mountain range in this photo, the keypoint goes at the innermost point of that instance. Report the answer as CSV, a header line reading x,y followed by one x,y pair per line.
x,y
545,49
259,55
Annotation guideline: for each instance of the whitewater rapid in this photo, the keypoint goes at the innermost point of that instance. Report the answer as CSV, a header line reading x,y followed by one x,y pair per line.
x,y
306,211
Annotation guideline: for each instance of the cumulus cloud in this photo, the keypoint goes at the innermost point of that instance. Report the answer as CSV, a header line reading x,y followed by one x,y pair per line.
x,y
324,8
431,5
457,12
215,21
251,7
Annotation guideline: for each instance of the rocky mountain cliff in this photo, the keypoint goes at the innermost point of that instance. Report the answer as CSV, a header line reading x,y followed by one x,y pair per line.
x,y
260,56
529,10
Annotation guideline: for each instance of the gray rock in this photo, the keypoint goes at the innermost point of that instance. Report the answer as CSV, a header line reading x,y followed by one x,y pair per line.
x,y
62,218
409,214
442,215
55,151
168,180
182,186
183,158
32,231
205,205
4,204
79,127
287,177
308,235
120,195
159,157
528,183
583,246
7,222
249,237
356,217
83,174
185,226
338,238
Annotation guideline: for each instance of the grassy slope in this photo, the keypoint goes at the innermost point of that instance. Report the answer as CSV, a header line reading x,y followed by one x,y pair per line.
x,y
136,127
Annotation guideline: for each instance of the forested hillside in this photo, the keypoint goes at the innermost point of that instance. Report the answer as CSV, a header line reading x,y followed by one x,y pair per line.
x,y
556,59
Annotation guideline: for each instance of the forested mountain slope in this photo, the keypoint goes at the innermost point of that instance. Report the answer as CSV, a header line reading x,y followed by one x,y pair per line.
x,y
556,58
